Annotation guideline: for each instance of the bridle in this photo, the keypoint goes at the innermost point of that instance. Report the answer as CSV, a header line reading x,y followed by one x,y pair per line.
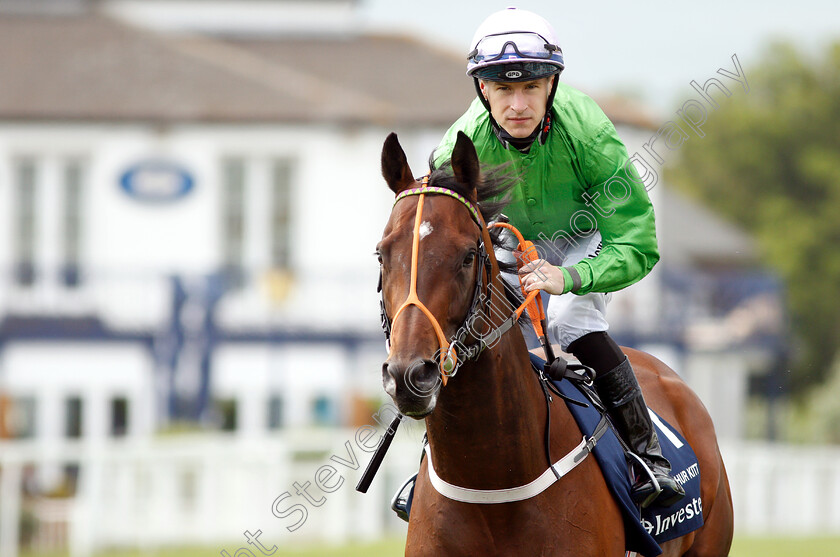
x,y
463,347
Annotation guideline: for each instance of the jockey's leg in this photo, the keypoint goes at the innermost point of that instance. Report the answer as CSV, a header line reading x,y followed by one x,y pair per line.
x,y
619,390
579,325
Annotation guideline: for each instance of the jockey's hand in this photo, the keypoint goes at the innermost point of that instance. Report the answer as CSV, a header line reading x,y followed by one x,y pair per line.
x,y
541,275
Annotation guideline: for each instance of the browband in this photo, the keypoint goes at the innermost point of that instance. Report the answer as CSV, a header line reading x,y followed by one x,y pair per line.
x,y
443,191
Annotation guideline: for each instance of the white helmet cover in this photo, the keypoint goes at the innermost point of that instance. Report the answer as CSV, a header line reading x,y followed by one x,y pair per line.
x,y
514,45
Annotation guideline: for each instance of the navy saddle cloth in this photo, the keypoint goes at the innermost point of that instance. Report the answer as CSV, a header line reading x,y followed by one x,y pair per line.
x,y
644,530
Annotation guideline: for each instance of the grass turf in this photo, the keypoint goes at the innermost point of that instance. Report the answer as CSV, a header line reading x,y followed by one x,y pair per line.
x,y
394,547
785,547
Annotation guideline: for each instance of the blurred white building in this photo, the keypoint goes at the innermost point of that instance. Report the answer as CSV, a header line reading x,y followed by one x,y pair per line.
x,y
190,197
186,214
189,200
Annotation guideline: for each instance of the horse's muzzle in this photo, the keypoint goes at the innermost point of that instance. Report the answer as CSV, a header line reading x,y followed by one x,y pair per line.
x,y
413,386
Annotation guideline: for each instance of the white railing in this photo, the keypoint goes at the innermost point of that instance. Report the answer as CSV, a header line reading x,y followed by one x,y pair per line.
x,y
203,490
208,490
784,489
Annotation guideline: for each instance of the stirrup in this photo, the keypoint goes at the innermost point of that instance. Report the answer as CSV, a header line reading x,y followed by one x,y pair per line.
x,y
669,494
657,489
399,503
661,495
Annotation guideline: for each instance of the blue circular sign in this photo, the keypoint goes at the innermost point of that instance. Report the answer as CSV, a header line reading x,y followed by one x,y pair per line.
x,y
157,181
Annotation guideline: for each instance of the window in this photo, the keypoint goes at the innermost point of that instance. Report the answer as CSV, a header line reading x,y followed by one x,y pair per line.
x,y
119,416
225,414
71,479
281,200
72,222
73,417
324,411
275,412
25,176
233,215
18,418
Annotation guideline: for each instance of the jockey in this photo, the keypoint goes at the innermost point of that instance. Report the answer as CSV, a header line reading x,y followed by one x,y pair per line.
x,y
582,203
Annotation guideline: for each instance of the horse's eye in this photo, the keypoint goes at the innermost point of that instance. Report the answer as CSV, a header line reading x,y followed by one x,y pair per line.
x,y
468,260
378,255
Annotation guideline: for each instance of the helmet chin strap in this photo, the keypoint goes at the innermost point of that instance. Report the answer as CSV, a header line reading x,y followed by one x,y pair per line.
x,y
540,133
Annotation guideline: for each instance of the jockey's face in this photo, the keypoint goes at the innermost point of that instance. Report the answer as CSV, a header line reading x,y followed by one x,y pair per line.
x,y
518,107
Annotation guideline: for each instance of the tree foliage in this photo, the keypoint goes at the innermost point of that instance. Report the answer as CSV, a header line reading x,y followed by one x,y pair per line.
x,y
770,161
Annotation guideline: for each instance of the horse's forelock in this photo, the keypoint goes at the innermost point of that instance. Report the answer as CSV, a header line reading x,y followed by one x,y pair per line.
x,y
492,196
491,190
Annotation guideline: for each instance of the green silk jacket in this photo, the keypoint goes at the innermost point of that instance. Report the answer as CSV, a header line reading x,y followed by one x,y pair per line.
x,y
580,180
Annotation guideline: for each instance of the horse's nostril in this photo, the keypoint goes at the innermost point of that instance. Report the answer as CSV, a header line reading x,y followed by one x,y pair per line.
x,y
422,377
430,366
389,382
419,380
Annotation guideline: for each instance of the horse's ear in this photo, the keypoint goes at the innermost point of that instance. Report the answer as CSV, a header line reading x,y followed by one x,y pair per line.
x,y
395,167
465,162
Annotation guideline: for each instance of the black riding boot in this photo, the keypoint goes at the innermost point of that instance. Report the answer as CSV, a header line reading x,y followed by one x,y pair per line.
x,y
625,404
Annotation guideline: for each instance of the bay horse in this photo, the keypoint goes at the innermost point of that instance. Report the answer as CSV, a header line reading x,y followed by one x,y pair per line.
x,y
486,424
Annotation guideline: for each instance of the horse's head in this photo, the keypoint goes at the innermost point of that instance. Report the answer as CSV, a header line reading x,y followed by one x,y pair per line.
x,y
432,261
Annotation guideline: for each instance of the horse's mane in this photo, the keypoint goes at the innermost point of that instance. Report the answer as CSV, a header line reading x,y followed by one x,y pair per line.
x,y
492,197
491,191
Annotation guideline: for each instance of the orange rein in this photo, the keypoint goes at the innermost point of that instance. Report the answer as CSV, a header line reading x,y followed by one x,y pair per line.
x,y
533,301
449,356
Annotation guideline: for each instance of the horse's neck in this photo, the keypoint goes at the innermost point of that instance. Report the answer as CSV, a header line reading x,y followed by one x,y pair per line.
x,y
492,411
